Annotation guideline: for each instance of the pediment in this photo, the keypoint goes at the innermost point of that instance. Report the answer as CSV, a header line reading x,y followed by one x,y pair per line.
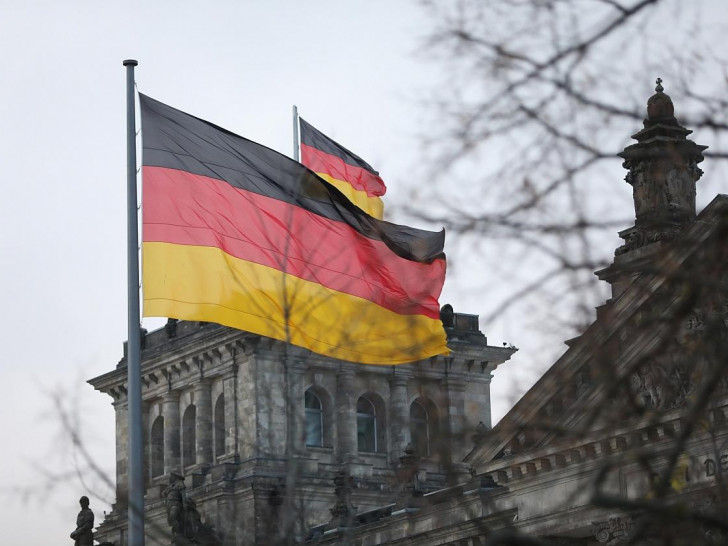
x,y
649,352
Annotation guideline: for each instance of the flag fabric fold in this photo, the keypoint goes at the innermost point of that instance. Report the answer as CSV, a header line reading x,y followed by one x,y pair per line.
x,y
238,234
348,172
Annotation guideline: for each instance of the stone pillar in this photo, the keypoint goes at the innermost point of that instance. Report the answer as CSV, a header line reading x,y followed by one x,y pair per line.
x,y
454,390
229,386
146,462
296,410
399,410
227,522
170,411
346,414
122,472
203,424
486,417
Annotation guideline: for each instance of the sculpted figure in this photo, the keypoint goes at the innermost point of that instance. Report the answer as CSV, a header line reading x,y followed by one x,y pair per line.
x,y
83,534
183,517
175,498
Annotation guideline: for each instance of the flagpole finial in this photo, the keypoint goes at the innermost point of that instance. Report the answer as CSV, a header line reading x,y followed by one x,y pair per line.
x,y
130,62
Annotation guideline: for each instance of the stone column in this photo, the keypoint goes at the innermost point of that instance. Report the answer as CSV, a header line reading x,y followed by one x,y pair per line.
x,y
486,404
229,387
296,410
454,390
203,424
399,409
145,444
122,472
170,411
346,414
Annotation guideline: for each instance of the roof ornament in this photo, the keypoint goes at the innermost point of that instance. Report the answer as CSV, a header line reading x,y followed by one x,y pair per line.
x,y
660,108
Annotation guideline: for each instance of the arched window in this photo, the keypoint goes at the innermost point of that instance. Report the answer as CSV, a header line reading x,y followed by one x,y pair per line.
x,y
419,429
366,425
156,447
423,427
314,419
219,429
188,436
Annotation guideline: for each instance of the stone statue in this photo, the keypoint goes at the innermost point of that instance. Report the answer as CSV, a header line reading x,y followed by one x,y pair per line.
x,y
83,535
175,499
183,517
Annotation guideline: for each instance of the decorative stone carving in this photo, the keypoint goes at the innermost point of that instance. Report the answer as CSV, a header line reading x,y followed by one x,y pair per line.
x,y
481,432
447,316
637,237
183,517
695,322
658,386
615,530
171,328
342,514
408,475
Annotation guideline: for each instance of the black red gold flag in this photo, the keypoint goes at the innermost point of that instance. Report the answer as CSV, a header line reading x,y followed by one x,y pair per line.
x,y
351,175
238,234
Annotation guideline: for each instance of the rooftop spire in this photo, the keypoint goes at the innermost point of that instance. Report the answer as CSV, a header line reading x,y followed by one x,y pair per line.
x,y
663,170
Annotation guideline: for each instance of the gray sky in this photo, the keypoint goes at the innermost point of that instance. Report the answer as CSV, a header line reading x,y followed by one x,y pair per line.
x,y
353,69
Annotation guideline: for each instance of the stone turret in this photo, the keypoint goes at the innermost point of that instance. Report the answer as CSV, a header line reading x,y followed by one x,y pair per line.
x,y
663,170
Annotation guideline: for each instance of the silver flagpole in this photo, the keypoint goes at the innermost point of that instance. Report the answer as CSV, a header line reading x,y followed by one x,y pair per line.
x,y
135,451
296,143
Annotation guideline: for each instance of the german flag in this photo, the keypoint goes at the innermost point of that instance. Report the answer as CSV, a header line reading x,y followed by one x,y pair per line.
x,y
351,175
238,234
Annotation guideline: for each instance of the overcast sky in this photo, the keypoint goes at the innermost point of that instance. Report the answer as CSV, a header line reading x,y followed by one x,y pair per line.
x,y
355,70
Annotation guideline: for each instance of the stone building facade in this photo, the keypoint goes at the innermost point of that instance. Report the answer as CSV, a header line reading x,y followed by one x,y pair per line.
x,y
246,418
624,438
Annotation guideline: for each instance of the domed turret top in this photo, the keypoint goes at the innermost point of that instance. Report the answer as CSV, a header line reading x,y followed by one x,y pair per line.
x,y
660,107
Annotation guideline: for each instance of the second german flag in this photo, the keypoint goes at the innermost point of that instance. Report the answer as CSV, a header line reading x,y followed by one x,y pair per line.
x,y
345,170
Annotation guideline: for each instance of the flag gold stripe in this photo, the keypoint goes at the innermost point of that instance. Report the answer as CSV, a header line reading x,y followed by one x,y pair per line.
x,y
204,283
371,205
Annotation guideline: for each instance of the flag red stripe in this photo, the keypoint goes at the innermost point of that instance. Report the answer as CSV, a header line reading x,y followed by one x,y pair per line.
x,y
360,179
190,209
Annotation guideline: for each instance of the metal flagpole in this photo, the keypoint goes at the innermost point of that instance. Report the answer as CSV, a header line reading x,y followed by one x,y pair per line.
x,y
135,451
295,134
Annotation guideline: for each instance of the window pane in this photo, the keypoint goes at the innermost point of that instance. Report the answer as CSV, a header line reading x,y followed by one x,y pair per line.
x,y
366,432
366,425
157,447
314,432
419,429
188,436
